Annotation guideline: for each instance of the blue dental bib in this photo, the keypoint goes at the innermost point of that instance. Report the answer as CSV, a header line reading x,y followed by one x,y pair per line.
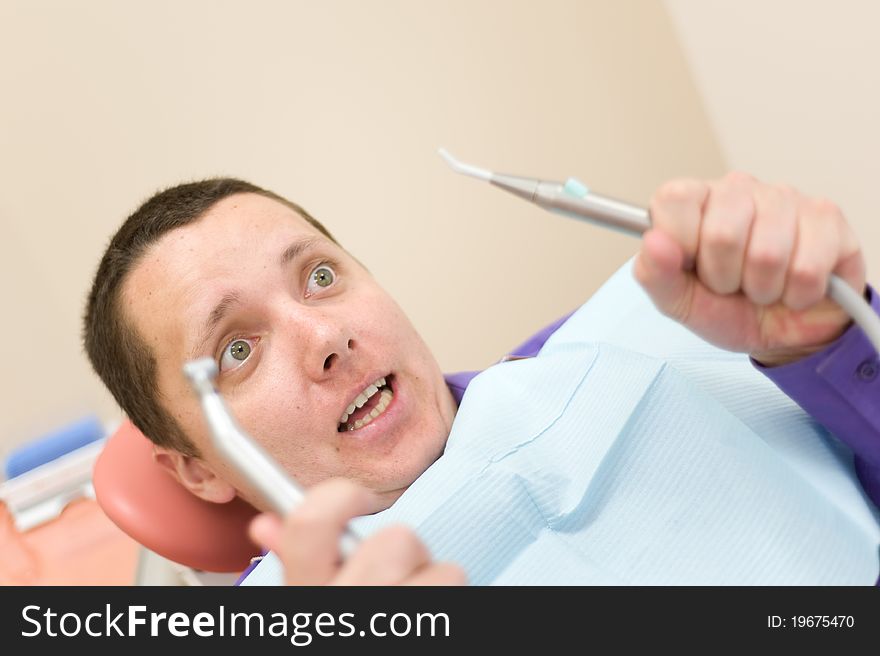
x,y
629,451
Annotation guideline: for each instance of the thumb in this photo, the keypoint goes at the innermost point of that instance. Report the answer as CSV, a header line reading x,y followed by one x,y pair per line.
x,y
265,531
660,269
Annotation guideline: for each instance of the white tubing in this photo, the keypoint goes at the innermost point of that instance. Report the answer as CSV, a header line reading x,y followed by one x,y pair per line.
x,y
861,312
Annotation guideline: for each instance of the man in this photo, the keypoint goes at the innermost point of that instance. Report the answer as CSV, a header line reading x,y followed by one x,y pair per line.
x,y
303,336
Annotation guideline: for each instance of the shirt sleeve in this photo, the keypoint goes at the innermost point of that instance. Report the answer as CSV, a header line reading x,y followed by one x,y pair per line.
x,y
840,388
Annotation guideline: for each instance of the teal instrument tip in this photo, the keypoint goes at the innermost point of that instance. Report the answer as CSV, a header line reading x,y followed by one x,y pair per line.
x,y
576,188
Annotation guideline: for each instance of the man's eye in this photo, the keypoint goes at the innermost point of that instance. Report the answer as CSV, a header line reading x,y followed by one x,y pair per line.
x,y
322,276
235,353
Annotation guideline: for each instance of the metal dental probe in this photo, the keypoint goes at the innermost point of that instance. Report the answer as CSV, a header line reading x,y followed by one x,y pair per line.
x,y
572,198
239,450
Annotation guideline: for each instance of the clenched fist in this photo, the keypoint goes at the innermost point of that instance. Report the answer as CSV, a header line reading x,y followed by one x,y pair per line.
x,y
745,265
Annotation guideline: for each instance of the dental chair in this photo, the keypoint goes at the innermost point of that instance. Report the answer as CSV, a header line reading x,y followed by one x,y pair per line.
x,y
185,540
52,531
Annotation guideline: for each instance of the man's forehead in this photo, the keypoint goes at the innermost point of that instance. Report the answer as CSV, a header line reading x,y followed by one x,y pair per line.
x,y
232,227
189,266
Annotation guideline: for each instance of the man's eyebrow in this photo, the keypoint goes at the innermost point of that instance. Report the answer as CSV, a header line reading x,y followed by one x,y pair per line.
x,y
213,321
291,253
297,248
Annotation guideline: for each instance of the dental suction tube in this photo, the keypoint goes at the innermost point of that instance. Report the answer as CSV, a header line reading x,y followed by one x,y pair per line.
x,y
574,199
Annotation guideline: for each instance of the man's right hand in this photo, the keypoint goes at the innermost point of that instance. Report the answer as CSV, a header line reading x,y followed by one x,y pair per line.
x,y
307,542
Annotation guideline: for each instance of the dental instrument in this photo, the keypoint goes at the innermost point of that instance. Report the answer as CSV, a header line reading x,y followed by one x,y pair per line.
x,y
574,199
238,449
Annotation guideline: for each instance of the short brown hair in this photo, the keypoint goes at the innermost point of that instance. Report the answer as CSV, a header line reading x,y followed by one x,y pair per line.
x,y
118,354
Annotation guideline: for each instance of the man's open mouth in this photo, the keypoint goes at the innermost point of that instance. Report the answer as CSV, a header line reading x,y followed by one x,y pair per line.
x,y
368,405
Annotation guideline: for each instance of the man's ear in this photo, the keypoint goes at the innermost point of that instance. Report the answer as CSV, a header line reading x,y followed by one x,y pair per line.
x,y
195,475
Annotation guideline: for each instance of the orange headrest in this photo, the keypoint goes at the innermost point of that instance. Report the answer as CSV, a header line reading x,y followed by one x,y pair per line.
x,y
154,509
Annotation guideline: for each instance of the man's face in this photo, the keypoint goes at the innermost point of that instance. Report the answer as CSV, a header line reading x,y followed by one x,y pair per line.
x,y
299,329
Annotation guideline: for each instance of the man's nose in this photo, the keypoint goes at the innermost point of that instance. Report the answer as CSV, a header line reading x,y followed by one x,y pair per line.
x,y
336,357
329,345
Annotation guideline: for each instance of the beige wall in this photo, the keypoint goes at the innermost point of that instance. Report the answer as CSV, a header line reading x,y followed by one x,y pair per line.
x,y
340,106
792,88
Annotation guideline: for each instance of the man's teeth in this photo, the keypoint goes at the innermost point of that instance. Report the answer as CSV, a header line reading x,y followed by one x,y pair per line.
x,y
362,398
384,400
